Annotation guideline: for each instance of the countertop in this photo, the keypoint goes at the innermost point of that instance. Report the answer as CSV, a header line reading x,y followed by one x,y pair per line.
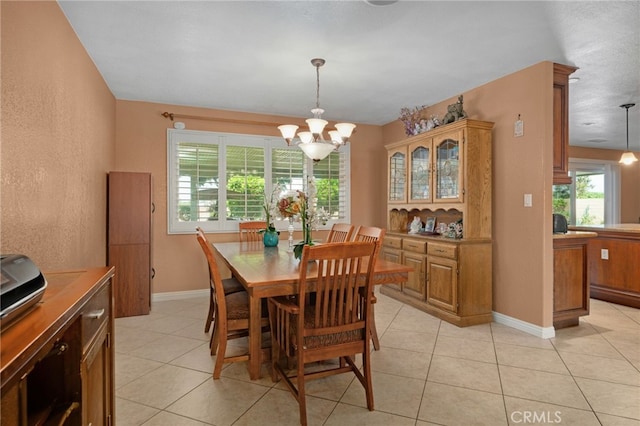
x,y
617,227
575,234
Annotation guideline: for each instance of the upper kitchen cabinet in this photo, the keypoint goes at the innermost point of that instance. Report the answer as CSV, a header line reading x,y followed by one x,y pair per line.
x,y
561,75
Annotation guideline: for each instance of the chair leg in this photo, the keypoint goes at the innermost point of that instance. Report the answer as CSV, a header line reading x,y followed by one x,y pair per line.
x,y
222,349
210,318
374,331
302,400
275,358
368,385
215,338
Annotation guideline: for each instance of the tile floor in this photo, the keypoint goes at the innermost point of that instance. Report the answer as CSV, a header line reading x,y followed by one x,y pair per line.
x,y
427,372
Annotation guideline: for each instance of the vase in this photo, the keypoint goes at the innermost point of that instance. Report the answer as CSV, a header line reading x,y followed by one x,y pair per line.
x,y
270,238
306,238
290,229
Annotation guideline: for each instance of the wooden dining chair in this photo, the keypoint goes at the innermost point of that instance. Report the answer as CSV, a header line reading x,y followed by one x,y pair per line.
x,y
335,325
231,315
230,285
339,233
250,231
371,234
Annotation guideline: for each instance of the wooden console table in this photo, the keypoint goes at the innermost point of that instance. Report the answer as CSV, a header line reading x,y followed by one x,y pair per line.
x,y
57,361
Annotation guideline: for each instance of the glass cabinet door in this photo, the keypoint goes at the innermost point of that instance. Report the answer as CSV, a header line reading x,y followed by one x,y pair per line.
x,y
448,179
420,169
397,177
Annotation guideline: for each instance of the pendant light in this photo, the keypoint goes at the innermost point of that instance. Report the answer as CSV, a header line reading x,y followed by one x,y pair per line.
x,y
312,142
628,157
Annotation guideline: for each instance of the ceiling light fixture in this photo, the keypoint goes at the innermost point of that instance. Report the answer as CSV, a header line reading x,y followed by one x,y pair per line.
x,y
628,157
312,142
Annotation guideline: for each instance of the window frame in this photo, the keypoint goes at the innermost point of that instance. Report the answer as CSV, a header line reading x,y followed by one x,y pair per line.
x,y
222,225
611,171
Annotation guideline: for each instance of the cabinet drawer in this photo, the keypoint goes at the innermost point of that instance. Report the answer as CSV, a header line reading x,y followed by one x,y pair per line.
x,y
416,246
443,250
393,242
94,314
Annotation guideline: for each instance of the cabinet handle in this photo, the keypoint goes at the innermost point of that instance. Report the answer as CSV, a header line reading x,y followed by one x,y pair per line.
x,y
96,314
153,207
153,273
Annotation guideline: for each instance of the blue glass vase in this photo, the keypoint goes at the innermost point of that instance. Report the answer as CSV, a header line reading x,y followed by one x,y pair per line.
x,y
270,238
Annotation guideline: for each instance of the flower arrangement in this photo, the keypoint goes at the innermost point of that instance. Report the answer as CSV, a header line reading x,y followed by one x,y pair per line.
x,y
303,207
415,123
289,205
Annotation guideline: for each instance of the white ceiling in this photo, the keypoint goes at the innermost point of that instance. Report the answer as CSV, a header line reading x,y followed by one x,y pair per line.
x,y
255,56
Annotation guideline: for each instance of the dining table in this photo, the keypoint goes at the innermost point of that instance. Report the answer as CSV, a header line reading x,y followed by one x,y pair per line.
x,y
274,271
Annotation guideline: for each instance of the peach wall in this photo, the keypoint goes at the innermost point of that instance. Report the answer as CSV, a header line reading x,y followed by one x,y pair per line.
x,y
522,249
629,180
141,146
58,137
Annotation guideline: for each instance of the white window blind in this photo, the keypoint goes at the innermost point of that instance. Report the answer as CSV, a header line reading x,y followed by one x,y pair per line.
x,y
215,180
245,182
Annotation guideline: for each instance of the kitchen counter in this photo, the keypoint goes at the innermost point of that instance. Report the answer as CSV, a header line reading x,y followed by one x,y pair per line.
x,y
575,234
633,228
613,262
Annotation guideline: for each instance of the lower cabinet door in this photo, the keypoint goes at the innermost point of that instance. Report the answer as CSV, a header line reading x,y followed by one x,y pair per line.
x,y
132,281
442,283
392,255
96,381
414,287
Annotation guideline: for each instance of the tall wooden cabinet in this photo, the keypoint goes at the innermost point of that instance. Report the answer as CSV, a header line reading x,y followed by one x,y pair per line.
x,y
561,75
129,241
58,360
446,174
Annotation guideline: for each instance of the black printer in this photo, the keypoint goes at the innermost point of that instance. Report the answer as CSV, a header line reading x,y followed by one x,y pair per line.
x,y
21,287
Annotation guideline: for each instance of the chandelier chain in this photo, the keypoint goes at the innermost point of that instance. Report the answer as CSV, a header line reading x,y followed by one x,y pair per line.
x,y
318,86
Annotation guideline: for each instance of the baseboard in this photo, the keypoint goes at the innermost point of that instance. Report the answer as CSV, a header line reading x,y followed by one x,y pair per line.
x,y
177,295
536,330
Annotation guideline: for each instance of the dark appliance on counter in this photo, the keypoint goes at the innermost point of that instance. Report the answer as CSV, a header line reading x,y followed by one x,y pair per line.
x,y
559,224
21,287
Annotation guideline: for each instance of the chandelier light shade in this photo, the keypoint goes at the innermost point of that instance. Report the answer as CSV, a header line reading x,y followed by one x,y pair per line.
x,y
628,157
312,141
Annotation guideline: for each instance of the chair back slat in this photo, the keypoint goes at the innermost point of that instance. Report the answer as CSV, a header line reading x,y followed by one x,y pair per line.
x,y
250,231
340,232
369,234
342,269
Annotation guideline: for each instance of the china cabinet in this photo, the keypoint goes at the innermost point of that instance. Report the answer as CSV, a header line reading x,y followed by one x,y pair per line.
x,y
448,176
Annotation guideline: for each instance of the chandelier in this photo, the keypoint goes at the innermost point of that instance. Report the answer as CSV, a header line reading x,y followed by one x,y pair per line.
x,y
627,157
312,142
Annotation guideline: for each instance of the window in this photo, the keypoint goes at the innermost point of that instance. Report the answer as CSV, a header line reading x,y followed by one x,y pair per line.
x,y
215,180
593,196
